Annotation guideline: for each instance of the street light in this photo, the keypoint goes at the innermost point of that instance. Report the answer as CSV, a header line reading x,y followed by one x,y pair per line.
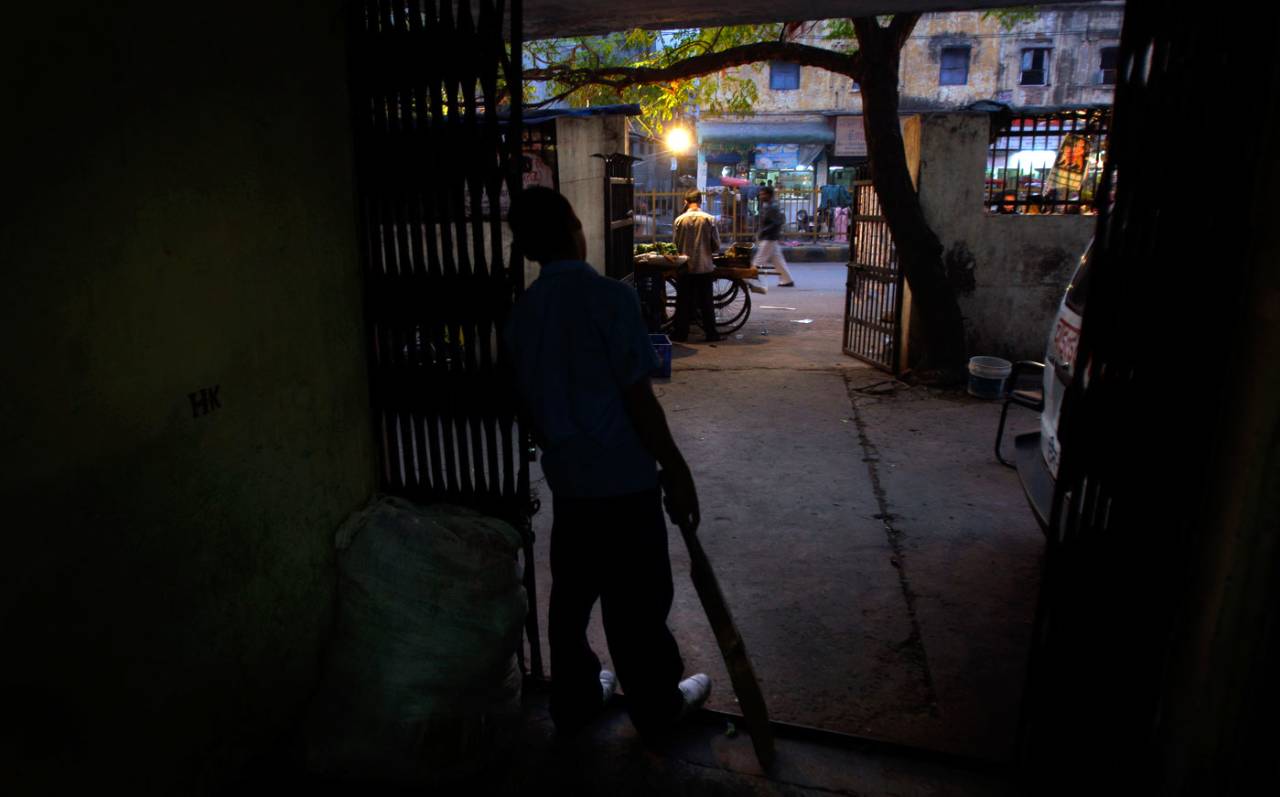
x,y
679,140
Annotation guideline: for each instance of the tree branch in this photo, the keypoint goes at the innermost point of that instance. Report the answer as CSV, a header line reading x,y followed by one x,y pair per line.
x,y
619,77
901,26
865,30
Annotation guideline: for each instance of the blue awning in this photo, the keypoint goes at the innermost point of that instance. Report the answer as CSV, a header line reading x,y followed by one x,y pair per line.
x,y
766,132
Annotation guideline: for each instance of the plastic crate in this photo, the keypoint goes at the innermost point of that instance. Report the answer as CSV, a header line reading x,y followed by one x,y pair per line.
x,y
661,347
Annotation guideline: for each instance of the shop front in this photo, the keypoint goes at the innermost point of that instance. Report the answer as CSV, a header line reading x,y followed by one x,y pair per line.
x,y
789,155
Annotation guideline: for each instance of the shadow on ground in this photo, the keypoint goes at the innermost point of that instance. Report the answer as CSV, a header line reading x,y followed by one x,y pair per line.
x,y
881,564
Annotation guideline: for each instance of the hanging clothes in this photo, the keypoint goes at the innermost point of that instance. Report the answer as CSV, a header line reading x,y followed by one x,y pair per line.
x,y
834,195
840,223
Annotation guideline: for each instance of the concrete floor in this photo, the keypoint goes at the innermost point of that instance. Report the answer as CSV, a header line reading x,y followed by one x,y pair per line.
x,y
882,566
706,757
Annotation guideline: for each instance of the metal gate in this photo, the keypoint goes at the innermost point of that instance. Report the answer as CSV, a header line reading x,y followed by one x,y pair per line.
x,y
873,286
436,165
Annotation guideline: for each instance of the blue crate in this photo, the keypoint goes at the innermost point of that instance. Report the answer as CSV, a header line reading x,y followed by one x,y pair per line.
x,y
661,347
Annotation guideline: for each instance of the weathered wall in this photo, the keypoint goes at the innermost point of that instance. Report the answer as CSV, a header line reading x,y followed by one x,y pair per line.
x,y
1009,271
1075,32
184,220
582,176
918,81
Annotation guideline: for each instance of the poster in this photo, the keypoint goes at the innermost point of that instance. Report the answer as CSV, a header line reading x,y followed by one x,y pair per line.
x,y
777,157
851,138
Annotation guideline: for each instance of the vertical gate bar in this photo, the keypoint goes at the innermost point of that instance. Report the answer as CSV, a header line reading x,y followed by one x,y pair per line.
x,y
383,15
882,253
422,24
873,303
404,444
516,450
855,247
474,223
440,240
889,302
872,286
416,140
457,140
882,295
496,301
515,80
434,296
432,169
400,277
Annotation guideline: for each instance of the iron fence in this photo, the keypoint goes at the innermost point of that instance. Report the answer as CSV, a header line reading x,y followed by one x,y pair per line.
x,y
808,217
1047,163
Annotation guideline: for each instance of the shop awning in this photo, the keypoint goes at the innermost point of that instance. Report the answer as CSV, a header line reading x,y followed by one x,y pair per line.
x,y
724,157
766,132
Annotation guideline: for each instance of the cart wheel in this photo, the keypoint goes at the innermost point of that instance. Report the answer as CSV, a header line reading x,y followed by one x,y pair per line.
x,y
669,319
722,292
732,302
733,305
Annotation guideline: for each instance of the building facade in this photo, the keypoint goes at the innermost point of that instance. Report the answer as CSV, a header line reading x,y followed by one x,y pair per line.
x,y
806,127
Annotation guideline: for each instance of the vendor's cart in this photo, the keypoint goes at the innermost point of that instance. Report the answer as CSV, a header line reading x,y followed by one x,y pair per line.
x,y
654,276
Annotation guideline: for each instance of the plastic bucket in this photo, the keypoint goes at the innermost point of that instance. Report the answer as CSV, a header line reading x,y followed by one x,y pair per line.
x,y
987,376
662,347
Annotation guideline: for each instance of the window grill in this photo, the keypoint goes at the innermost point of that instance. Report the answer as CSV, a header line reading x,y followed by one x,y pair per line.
x,y
955,66
1047,163
1035,67
784,76
1108,61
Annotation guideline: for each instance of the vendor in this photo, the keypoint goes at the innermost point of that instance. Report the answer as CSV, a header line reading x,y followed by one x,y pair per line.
x,y
696,236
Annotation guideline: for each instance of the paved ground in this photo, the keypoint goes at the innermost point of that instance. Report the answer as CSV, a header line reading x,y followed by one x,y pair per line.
x,y
706,758
881,564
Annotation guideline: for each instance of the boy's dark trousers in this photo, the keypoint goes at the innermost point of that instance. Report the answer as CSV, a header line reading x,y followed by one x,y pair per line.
x,y
615,550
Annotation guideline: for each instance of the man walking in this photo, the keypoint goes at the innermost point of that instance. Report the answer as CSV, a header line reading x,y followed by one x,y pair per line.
x,y
769,251
582,360
695,235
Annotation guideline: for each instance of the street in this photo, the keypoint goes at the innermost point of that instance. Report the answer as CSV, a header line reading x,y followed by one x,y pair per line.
x,y
881,565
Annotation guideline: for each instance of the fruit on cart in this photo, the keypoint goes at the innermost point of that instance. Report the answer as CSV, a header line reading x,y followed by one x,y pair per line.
x,y
659,248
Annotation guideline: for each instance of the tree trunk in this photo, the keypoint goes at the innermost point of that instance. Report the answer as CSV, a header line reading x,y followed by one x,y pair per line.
x,y
919,250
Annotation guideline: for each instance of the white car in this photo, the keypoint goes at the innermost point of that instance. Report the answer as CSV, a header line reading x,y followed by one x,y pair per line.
x,y
1060,360
1039,453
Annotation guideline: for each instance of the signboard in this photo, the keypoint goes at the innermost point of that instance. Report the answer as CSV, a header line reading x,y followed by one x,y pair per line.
x,y
777,157
851,138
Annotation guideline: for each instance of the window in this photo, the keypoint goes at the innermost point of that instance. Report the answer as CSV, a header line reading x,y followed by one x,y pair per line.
x,y
1108,59
1035,66
784,76
1048,163
955,66
855,86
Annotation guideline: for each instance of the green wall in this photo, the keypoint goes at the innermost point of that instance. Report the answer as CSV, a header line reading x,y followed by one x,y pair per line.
x,y
179,215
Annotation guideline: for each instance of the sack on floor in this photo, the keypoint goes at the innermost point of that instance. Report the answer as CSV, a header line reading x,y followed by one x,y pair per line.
x,y
421,680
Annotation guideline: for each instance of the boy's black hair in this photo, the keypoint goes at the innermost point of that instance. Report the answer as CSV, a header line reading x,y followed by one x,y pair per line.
x,y
542,223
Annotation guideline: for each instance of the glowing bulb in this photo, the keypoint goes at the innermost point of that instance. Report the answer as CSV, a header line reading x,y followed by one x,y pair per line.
x,y
678,139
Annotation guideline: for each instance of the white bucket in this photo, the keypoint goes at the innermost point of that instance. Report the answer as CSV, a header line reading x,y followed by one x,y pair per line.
x,y
987,376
